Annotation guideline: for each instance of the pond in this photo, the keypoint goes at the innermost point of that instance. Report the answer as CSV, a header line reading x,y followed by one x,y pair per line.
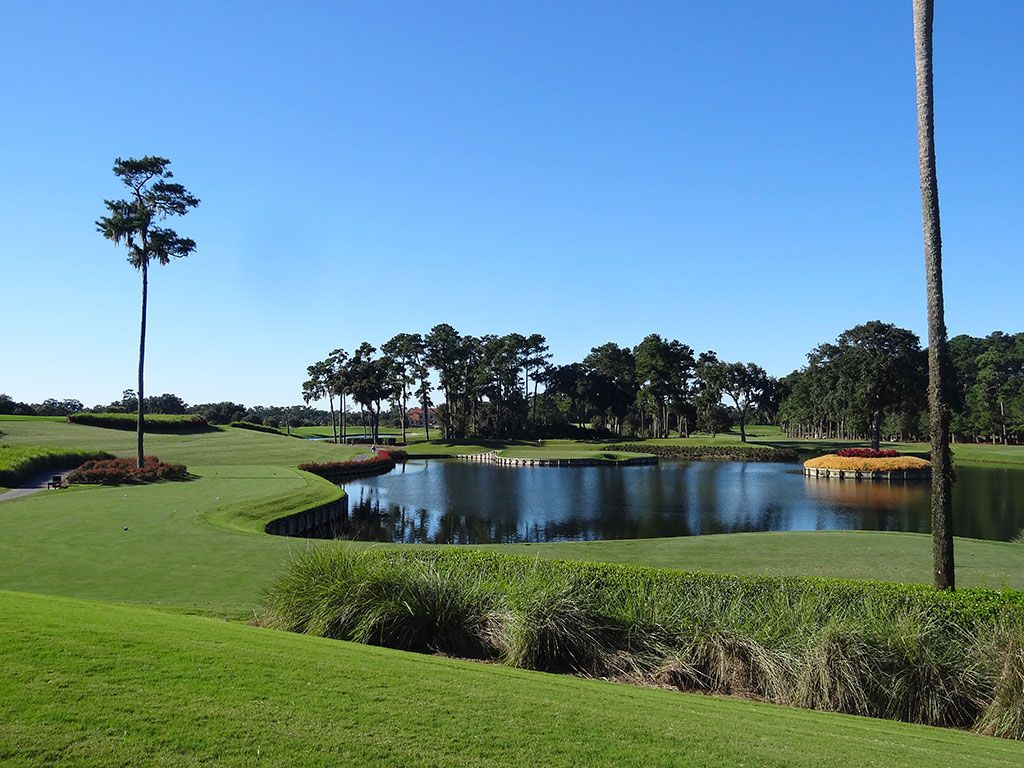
x,y
453,502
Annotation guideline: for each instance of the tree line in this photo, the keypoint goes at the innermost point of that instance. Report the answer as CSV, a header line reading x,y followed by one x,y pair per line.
x,y
871,383
490,386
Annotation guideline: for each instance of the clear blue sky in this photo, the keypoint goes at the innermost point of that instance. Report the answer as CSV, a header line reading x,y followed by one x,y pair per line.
x,y
741,176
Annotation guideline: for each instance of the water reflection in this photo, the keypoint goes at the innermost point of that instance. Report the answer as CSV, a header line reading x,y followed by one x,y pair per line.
x,y
450,502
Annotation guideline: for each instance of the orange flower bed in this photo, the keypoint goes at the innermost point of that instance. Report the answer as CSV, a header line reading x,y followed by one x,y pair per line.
x,y
854,464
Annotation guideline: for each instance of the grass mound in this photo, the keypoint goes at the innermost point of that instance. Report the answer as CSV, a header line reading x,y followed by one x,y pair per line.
x,y
883,650
89,684
255,427
152,422
20,462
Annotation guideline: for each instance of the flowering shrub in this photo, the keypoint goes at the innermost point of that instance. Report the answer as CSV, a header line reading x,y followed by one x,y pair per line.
x,y
380,462
866,453
124,471
708,452
898,463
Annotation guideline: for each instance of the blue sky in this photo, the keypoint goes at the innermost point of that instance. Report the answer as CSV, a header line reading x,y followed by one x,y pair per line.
x,y
741,176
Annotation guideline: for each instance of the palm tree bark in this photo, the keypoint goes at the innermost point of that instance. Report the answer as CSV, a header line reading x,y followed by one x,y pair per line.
x,y
938,359
140,422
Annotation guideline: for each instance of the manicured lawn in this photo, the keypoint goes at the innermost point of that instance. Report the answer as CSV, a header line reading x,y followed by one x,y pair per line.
x,y
187,545
564,452
222,445
86,684
194,545
410,433
11,417
870,555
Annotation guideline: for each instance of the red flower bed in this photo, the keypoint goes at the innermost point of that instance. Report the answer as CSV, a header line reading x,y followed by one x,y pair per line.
x,y
866,453
380,462
124,471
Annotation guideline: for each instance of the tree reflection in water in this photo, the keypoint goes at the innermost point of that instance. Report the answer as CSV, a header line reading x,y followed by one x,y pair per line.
x,y
450,502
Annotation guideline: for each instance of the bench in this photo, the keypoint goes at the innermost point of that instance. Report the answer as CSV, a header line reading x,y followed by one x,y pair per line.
x,y
55,482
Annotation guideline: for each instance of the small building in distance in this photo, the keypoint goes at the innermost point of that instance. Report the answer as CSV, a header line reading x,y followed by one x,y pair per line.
x,y
414,417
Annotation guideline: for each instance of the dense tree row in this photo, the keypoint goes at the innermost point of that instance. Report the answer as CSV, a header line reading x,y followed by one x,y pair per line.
x,y
871,384
490,386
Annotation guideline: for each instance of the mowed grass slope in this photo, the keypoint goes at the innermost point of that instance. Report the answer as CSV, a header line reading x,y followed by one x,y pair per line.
x,y
99,685
190,545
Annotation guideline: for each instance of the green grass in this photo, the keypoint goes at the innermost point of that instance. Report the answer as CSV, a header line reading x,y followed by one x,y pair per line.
x,y
100,685
11,417
192,545
758,436
325,431
221,445
188,545
18,463
887,556
560,452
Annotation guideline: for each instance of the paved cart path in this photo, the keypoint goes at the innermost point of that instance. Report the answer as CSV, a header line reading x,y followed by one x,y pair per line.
x,y
34,485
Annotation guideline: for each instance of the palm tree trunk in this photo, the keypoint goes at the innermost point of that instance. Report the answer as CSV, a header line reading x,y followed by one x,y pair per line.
x,y
140,422
938,359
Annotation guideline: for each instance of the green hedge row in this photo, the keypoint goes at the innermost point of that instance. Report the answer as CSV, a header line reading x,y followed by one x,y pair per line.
x,y
702,452
153,422
255,427
18,463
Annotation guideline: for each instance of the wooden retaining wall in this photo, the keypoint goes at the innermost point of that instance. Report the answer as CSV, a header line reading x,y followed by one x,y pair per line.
x,y
849,474
492,457
301,522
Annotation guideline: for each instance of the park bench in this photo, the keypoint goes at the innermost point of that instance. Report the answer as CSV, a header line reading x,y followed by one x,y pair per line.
x,y
55,482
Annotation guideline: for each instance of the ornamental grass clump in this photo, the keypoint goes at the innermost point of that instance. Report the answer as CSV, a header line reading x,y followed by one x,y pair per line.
x,y
346,594
554,624
902,652
1003,658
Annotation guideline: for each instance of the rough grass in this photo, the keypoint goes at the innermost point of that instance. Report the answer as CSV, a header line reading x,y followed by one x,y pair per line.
x,y
100,685
19,463
897,652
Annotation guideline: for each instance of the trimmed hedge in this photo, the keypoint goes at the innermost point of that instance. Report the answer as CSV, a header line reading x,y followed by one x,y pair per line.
x,y
336,471
18,463
125,472
903,652
709,452
152,422
255,427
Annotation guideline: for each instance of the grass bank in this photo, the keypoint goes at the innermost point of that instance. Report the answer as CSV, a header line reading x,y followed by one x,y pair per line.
x,y
191,546
21,462
902,652
100,685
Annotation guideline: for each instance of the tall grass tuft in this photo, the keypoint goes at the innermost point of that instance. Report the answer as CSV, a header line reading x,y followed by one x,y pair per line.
x,y
349,594
552,623
880,650
412,606
1003,655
